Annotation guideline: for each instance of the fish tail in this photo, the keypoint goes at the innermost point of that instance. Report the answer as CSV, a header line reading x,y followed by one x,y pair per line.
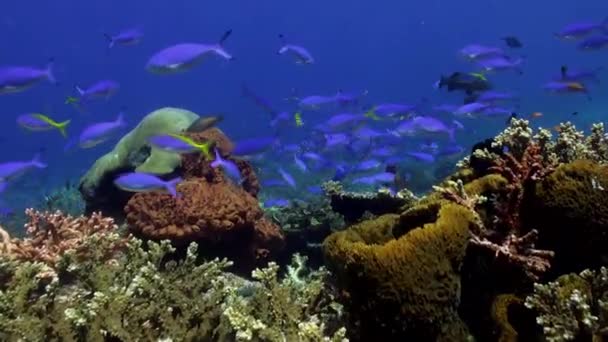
x,y
79,90
170,186
37,162
224,37
49,71
110,40
205,149
61,126
218,159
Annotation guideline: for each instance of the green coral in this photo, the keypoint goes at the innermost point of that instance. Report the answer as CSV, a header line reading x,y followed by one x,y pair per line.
x,y
162,121
574,307
404,286
297,308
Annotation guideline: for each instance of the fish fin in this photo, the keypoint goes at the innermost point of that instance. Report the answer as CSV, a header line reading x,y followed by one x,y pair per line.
x,y
79,90
61,126
49,71
37,162
204,148
170,186
218,159
110,40
224,37
563,71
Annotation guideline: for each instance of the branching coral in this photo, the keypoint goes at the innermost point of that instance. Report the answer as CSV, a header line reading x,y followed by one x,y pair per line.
x,y
297,308
573,307
53,235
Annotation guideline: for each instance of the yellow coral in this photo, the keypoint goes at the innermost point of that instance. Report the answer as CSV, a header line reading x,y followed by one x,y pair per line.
x,y
408,285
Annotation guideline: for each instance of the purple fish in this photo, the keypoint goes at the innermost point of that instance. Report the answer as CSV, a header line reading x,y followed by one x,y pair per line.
x,y
336,139
565,87
228,166
287,177
98,133
12,170
469,110
394,109
476,51
345,99
278,202
384,177
41,122
594,43
366,133
578,75
421,156
299,163
15,79
125,38
382,152
248,147
313,156
581,29
500,63
144,182
315,101
343,121
491,96
258,100
424,125
103,89
367,165
301,55
183,57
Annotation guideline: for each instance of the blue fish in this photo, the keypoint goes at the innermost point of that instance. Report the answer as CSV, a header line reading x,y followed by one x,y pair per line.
x,y
183,57
100,132
103,89
12,170
301,54
143,182
228,166
287,177
15,79
125,38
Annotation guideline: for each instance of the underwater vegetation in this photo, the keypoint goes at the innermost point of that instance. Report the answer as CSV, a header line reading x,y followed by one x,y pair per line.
x,y
509,247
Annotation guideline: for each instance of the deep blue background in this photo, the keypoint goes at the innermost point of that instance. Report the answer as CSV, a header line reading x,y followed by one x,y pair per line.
x,y
394,49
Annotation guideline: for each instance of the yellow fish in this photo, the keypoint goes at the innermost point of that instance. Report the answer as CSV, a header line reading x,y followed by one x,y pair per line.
x,y
41,122
479,75
298,119
205,147
372,115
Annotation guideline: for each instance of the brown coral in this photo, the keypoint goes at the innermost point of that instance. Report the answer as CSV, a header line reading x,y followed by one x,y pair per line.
x,y
195,164
221,217
403,286
51,235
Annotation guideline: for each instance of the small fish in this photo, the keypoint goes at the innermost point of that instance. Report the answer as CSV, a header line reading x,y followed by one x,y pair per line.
x,y
98,133
393,110
593,43
144,182
470,109
578,75
421,156
384,177
287,177
581,29
500,63
14,79
301,54
299,163
41,122
103,89
180,144
126,37
566,87
315,101
367,165
512,42
574,113
227,166
476,51
462,81
204,123
536,115
278,202
183,57
12,170
492,97
298,119
252,146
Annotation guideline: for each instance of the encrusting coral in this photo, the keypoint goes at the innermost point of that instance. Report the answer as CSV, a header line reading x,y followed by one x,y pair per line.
x,y
574,307
403,286
223,218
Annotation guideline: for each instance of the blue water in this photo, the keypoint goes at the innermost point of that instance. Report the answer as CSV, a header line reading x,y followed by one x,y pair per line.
x,y
395,50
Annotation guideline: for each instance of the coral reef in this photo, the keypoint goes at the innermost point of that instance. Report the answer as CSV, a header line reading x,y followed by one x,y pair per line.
x,y
300,307
51,236
569,208
354,205
131,153
306,225
403,286
223,218
573,307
